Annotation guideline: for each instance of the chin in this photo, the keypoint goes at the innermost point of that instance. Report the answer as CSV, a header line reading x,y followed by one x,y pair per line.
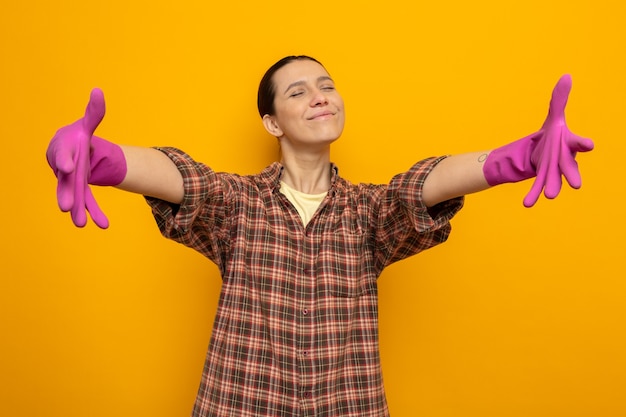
x,y
330,139
332,135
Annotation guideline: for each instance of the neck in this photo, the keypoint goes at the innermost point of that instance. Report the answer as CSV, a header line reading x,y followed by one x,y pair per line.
x,y
307,173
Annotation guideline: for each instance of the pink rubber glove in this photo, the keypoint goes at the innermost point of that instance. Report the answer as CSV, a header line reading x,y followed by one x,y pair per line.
x,y
78,159
547,154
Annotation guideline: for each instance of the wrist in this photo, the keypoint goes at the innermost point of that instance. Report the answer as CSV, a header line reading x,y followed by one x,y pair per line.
x,y
107,162
510,163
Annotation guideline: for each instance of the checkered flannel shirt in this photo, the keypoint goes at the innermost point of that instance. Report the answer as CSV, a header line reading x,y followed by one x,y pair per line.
x,y
296,330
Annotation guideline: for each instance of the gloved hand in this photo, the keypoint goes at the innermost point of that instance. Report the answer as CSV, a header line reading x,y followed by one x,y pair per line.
x,y
546,154
78,159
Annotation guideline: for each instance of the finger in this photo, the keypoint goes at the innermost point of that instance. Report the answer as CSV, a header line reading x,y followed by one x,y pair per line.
x,y
544,151
79,217
538,185
64,169
64,160
534,193
577,144
97,215
94,113
80,184
560,93
553,181
569,166
65,191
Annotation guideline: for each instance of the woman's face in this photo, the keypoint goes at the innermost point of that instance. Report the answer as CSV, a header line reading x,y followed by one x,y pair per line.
x,y
308,109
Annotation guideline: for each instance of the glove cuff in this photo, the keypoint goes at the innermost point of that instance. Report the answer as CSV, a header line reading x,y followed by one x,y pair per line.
x,y
510,163
107,161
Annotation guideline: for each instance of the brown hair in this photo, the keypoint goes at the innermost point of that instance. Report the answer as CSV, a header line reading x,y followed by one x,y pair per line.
x,y
267,89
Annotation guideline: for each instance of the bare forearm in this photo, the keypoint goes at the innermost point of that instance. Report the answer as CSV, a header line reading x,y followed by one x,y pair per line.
x,y
152,173
455,176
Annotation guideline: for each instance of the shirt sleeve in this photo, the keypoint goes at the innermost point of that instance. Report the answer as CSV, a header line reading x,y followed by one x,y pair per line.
x,y
200,220
404,225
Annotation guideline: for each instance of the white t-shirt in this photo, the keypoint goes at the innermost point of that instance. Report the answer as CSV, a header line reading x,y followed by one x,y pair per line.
x,y
306,204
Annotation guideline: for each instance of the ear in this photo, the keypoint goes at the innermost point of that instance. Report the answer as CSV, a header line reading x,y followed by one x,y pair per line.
x,y
271,125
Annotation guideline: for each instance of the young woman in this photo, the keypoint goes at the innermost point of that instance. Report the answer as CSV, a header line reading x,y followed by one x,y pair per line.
x,y
300,248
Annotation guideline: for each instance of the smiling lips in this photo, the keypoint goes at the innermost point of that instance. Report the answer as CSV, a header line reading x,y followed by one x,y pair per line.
x,y
322,115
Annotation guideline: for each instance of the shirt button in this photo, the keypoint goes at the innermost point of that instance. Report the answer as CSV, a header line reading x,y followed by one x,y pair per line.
x,y
305,353
307,395
305,312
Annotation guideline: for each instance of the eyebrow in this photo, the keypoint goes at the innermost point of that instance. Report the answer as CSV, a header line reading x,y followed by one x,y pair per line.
x,y
301,82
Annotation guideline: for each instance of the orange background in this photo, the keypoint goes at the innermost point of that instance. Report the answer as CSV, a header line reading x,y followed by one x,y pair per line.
x,y
521,313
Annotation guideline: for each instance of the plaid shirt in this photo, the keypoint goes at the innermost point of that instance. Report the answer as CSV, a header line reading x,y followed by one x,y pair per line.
x,y
296,330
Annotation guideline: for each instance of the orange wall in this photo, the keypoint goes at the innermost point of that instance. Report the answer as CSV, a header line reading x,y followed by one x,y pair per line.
x,y
521,313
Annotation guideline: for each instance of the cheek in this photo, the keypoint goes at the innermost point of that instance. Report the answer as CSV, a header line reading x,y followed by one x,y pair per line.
x,y
339,104
286,116
342,113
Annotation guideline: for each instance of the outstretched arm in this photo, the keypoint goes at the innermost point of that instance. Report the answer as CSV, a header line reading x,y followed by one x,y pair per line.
x,y
80,159
546,155
152,173
455,176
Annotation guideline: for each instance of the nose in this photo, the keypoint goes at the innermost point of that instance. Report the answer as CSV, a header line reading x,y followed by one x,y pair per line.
x,y
319,98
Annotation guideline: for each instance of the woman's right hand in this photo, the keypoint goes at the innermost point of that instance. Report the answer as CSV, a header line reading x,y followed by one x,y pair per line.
x,y
76,156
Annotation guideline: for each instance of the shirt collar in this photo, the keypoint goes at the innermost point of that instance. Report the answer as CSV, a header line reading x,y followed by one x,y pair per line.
x,y
273,173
